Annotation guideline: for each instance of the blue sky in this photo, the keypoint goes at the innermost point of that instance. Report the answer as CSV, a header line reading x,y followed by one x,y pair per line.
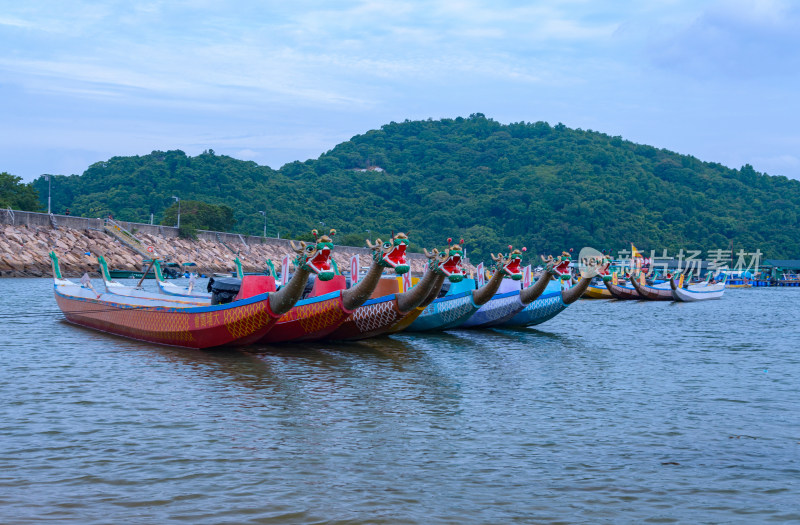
x,y
275,82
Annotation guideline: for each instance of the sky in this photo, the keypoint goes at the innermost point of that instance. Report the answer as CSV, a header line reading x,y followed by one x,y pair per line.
x,y
277,81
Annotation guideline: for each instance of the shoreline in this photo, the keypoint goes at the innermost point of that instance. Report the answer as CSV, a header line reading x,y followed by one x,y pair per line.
x,y
28,238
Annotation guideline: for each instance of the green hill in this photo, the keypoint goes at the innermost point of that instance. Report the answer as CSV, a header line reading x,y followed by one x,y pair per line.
x,y
545,187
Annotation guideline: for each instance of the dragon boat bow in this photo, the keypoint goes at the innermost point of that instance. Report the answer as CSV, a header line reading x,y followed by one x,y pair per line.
x,y
319,316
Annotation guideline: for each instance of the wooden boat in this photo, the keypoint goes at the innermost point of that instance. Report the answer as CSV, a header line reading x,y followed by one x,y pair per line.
x,y
696,292
387,307
130,274
620,292
329,306
463,300
185,321
164,322
658,292
554,299
508,305
597,290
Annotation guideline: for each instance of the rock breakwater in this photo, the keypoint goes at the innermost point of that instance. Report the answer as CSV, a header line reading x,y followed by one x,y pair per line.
x,y
24,252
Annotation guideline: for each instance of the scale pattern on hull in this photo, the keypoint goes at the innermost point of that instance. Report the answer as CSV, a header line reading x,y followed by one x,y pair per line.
x,y
444,314
496,311
308,322
201,329
542,309
375,316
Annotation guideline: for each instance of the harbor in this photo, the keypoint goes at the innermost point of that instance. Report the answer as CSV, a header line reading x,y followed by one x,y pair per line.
x,y
592,416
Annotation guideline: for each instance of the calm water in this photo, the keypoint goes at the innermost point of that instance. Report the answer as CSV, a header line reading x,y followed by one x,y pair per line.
x,y
613,412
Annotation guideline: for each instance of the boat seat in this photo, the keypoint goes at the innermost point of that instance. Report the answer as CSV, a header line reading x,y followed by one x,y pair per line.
x,y
254,285
322,287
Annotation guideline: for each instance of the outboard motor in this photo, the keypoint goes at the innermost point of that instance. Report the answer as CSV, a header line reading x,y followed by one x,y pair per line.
x,y
223,289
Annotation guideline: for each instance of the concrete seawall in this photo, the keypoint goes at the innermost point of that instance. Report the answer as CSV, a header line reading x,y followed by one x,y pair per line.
x,y
28,237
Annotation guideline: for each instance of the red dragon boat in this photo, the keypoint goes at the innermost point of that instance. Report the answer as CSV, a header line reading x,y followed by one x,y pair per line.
x,y
378,315
191,322
330,304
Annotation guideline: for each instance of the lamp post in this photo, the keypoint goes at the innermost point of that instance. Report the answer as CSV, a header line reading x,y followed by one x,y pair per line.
x,y
265,221
48,193
179,210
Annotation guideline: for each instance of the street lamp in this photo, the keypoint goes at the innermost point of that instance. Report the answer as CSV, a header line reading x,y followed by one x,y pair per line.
x,y
265,221
48,193
179,210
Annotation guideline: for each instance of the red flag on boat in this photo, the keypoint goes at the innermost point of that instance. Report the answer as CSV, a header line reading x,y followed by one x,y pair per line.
x,y
481,275
526,276
285,262
406,281
354,269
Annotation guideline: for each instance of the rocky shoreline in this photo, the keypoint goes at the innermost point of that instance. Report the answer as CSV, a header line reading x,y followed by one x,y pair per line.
x,y
24,252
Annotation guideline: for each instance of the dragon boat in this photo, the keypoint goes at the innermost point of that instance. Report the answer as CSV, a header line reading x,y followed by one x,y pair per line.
x,y
330,302
554,269
696,292
378,315
448,266
597,288
463,300
554,298
620,292
655,292
179,322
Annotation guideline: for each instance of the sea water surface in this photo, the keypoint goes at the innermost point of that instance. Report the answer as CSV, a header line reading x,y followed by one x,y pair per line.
x,y
612,412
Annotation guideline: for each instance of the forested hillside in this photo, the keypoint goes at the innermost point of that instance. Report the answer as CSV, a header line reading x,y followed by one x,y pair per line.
x,y
545,187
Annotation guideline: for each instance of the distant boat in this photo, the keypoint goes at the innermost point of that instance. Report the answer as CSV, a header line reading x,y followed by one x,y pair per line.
x,y
171,271
129,274
697,292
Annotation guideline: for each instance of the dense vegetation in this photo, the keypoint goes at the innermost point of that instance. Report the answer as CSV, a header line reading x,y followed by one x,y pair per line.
x,y
16,195
545,187
196,215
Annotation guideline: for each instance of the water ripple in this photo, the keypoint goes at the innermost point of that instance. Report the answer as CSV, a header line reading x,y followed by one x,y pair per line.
x,y
611,412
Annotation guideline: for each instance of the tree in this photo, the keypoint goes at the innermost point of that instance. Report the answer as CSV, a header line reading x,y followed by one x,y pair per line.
x,y
16,195
200,215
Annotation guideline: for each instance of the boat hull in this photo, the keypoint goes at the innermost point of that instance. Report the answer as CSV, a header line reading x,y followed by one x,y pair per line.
x,y
690,296
233,324
125,274
373,318
544,308
597,292
499,309
309,320
444,313
623,293
653,293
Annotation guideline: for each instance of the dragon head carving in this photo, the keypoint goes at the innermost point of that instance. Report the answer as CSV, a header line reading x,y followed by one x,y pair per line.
x,y
392,253
509,264
558,267
447,262
315,257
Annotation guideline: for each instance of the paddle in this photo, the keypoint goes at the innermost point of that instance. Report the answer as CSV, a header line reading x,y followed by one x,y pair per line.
x,y
152,262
